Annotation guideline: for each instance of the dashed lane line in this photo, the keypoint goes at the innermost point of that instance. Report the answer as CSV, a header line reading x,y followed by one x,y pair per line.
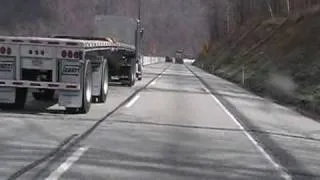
x,y
55,175
133,100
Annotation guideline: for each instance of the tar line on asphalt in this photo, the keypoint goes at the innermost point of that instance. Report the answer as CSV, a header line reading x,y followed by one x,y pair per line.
x,y
55,175
72,141
36,163
282,171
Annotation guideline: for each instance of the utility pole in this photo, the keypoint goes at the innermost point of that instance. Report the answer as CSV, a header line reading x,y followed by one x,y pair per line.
x,y
139,10
139,35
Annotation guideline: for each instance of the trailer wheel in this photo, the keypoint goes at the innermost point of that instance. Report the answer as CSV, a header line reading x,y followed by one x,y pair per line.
x,y
132,79
87,92
133,72
104,84
139,77
139,73
20,100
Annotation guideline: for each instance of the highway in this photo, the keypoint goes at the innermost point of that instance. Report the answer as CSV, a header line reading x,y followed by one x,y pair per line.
x,y
177,123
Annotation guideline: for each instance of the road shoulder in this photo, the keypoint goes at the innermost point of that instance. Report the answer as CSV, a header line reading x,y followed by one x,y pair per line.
x,y
291,138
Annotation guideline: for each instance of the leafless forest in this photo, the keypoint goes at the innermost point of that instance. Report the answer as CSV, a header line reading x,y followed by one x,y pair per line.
x,y
169,24
226,16
266,46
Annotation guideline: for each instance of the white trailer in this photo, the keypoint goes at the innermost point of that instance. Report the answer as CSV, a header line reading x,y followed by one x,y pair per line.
x,y
76,69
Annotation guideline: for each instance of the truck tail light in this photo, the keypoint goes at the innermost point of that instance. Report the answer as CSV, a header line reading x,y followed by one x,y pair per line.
x,y
2,50
64,54
76,55
70,54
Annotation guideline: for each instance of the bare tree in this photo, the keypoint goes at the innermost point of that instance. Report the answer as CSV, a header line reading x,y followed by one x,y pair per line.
x,y
270,8
225,16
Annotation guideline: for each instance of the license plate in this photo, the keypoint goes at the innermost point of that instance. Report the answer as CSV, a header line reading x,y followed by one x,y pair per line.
x,y
37,62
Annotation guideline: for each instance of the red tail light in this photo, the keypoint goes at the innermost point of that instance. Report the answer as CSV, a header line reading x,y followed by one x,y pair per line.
x,y
64,53
76,55
2,50
70,54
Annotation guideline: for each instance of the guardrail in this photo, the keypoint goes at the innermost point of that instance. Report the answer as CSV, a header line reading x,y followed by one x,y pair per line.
x,y
147,60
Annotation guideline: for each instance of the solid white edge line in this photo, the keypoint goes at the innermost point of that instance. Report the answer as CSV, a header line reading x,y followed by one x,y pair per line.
x,y
279,168
134,100
55,175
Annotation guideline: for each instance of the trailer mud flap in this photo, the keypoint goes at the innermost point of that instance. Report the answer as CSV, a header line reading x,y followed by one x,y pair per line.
x,y
70,99
70,72
96,76
7,72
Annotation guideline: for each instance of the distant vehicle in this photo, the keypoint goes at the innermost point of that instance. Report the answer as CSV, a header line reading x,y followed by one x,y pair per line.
x,y
179,57
169,59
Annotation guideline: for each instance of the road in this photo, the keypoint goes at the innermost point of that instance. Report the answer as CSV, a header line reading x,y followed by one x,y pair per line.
x,y
178,123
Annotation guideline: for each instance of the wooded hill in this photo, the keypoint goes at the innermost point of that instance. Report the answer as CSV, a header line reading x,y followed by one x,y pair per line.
x,y
275,56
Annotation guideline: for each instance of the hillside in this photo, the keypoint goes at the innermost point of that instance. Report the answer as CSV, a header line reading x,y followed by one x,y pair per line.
x,y
278,58
166,23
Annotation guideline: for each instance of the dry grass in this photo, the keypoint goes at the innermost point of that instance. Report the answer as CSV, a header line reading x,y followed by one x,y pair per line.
x,y
277,49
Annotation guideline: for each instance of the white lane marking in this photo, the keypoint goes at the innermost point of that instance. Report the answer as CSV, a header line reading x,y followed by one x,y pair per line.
x,y
154,82
279,168
135,99
55,175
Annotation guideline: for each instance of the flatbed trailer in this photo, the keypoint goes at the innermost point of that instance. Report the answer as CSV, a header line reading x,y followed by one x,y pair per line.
x,y
123,69
76,68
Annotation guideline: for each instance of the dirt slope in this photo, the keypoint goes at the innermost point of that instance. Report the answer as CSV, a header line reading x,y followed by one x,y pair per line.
x,y
279,58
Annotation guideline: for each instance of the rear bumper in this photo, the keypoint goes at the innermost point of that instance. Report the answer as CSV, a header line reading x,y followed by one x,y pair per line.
x,y
39,85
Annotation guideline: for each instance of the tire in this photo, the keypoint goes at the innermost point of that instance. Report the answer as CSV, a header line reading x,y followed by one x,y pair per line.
x,y
104,84
45,95
87,92
132,79
139,76
139,72
20,100
133,71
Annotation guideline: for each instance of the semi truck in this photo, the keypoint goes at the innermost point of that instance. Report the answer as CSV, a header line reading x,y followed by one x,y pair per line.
x,y
128,31
77,69
179,57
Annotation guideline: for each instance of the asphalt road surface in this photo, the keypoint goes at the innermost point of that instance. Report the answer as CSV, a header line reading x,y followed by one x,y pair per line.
x,y
177,123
